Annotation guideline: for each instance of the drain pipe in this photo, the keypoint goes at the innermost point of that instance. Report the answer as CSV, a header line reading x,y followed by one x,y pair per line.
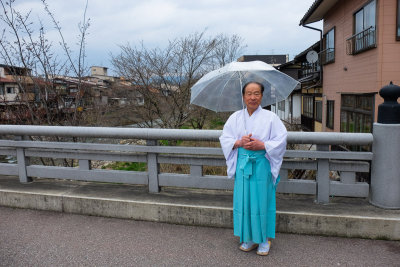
x,y
320,75
320,48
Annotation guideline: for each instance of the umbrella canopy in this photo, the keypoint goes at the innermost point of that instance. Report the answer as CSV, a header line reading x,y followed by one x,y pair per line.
x,y
221,90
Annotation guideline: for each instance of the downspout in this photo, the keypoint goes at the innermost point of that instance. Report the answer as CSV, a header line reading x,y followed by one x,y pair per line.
x,y
320,70
320,49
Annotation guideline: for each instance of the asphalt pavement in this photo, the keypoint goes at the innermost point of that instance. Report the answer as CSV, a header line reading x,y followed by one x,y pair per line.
x,y
44,238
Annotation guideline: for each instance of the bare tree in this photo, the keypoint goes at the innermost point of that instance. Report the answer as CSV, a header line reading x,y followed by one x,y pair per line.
x,y
228,48
164,76
24,44
33,64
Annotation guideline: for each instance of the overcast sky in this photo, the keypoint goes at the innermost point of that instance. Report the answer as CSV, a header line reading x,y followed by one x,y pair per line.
x,y
267,26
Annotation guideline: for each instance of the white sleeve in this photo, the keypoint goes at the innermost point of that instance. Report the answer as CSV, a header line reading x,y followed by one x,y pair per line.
x,y
276,145
227,140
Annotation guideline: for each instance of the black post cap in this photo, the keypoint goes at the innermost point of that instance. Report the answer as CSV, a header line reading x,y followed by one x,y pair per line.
x,y
389,110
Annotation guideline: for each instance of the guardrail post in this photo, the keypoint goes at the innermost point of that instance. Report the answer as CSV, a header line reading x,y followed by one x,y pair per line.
x,y
152,169
323,180
385,167
22,161
347,177
284,174
85,164
196,170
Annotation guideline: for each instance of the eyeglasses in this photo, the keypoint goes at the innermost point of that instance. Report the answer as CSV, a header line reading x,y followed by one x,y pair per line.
x,y
256,94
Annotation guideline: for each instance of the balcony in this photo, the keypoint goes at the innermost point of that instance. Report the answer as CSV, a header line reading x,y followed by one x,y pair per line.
x,y
361,41
327,56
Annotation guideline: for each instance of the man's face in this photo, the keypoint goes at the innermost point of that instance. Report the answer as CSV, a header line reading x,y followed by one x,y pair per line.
x,y
252,96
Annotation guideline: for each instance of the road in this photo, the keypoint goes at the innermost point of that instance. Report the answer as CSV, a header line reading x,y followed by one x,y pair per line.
x,y
43,238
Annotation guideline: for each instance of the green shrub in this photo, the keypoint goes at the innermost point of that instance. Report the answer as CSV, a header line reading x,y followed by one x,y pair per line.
x,y
127,166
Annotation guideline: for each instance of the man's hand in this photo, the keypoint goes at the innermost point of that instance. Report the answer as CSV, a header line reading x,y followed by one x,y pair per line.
x,y
254,144
249,143
240,143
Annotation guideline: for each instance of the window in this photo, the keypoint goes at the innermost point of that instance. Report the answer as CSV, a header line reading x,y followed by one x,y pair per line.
x,y
330,105
398,21
364,30
308,106
328,54
318,111
356,114
10,90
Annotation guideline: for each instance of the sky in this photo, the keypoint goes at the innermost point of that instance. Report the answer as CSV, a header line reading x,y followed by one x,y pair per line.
x,y
266,26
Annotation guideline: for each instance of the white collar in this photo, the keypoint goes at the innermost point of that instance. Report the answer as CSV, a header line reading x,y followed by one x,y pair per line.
x,y
255,111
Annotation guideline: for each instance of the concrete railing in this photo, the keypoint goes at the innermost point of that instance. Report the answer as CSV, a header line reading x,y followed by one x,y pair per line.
x,y
321,160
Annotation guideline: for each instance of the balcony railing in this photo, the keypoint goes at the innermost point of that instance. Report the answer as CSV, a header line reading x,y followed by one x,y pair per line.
x,y
361,41
327,56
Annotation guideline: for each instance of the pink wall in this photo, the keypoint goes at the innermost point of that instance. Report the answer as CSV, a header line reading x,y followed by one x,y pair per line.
x,y
368,71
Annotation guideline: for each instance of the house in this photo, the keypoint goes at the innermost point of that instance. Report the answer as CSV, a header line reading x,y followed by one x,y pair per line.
x,y
360,55
274,60
302,101
13,99
311,88
10,78
289,110
305,103
99,75
8,90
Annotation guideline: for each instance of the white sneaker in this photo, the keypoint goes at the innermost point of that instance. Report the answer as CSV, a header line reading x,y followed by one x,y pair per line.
x,y
263,248
248,246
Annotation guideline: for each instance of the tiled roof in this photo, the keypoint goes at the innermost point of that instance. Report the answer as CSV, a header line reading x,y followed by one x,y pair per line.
x,y
5,80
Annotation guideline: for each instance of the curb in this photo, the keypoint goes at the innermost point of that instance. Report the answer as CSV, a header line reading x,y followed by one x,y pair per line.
x,y
312,223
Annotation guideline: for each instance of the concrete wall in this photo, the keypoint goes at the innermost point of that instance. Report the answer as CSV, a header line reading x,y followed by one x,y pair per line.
x,y
367,71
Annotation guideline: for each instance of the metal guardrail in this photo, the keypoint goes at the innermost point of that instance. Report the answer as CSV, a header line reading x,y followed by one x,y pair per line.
x,y
177,134
320,160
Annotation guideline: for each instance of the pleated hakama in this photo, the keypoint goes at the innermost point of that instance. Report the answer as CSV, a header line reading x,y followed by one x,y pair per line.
x,y
254,207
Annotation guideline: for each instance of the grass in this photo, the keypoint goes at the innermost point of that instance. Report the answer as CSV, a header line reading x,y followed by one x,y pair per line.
x,y
126,166
216,123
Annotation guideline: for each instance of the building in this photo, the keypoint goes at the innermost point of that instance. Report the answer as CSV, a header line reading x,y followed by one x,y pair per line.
x,y
274,60
361,54
12,78
289,110
298,109
14,99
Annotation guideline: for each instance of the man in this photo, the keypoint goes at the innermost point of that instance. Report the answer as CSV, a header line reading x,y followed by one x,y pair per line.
x,y
254,142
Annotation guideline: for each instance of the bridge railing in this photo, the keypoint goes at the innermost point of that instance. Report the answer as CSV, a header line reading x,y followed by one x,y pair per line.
x,y
320,160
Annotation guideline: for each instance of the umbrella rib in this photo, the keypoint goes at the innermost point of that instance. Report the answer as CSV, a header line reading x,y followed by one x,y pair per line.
x,y
222,90
244,115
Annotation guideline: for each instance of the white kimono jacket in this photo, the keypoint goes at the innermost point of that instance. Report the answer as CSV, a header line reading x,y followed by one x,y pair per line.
x,y
263,125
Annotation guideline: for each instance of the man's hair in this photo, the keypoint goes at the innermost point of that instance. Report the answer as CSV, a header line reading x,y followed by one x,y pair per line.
x,y
259,84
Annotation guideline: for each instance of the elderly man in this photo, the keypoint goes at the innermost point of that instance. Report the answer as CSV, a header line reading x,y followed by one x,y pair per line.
x,y
254,142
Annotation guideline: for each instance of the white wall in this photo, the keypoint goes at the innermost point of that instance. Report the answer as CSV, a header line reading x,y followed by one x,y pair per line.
x,y
285,115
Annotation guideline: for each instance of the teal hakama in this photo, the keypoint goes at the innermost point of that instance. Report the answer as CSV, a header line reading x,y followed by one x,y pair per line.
x,y
254,207
256,173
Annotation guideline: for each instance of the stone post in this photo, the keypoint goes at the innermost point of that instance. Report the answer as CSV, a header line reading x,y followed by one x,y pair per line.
x,y
385,167
152,169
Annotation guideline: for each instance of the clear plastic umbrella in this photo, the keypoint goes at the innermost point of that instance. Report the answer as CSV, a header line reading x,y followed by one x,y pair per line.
x,y
221,90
